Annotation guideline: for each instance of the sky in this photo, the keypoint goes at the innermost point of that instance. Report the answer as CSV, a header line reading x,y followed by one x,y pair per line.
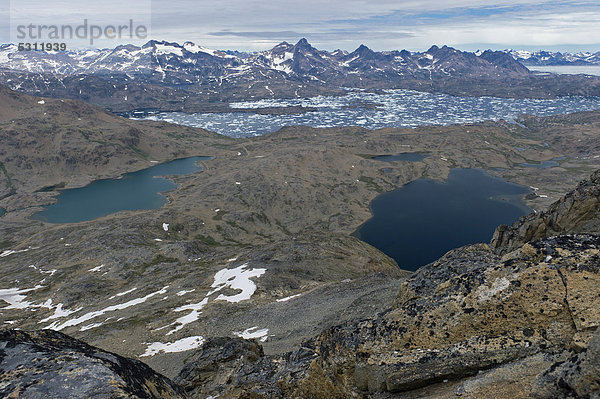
x,y
253,25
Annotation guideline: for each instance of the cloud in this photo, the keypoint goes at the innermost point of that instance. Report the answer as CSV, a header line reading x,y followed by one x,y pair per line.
x,y
380,24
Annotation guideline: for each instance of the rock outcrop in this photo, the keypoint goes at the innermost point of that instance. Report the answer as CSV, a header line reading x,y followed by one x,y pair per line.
x,y
467,323
49,364
524,324
577,212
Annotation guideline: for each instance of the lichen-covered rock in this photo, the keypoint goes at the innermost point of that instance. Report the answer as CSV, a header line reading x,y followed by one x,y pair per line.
x,y
471,313
48,364
577,377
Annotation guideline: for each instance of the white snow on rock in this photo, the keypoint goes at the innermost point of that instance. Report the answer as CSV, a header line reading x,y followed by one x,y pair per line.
x,y
288,298
237,279
41,102
92,315
15,298
253,333
123,293
182,345
97,268
10,252
166,226
59,312
190,317
90,326
166,49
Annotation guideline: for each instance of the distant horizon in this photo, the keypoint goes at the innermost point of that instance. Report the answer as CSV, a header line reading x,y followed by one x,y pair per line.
x,y
257,25
471,49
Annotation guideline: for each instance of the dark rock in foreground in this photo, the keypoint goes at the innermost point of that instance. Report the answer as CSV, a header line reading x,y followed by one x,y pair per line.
x,y
49,364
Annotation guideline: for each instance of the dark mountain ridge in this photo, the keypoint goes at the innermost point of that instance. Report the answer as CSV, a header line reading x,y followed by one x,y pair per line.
x,y
169,76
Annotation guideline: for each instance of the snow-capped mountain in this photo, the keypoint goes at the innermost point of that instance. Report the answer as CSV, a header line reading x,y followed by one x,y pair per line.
x,y
538,58
171,72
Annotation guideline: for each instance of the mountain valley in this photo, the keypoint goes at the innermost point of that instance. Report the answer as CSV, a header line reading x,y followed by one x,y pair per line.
x,y
249,282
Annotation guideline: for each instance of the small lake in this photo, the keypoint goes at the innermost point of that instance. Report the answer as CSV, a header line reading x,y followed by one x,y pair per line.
x,y
2,211
421,221
404,156
543,164
133,191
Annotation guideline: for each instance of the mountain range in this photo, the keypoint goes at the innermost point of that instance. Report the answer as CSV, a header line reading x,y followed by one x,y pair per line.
x,y
549,58
169,76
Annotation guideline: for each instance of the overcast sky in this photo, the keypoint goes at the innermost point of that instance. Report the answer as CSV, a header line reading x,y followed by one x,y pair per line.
x,y
380,24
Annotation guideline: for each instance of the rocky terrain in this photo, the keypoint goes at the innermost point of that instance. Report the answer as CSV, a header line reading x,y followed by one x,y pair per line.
x,y
524,324
190,78
52,365
257,245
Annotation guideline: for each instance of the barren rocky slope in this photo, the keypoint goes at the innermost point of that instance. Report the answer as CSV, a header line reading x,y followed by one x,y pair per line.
x,y
473,325
270,257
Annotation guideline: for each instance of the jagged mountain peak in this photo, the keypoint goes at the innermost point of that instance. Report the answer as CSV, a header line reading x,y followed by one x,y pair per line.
x,y
433,49
303,43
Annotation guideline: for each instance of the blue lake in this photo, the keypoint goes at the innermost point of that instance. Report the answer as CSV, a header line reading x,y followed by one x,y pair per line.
x,y
543,164
2,211
421,221
134,191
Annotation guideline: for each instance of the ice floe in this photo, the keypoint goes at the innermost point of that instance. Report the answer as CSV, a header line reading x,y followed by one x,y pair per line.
x,y
181,345
397,108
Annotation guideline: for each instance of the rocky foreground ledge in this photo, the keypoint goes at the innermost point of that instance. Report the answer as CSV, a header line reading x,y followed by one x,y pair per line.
x,y
522,325
502,321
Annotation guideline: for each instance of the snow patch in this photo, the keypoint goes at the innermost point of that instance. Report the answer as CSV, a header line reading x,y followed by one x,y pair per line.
x,y
182,345
10,252
190,317
123,293
15,298
237,279
166,226
92,315
97,268
253,333
288,298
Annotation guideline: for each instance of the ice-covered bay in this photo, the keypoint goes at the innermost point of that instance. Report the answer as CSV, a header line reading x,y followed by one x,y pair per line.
x,y
394,108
